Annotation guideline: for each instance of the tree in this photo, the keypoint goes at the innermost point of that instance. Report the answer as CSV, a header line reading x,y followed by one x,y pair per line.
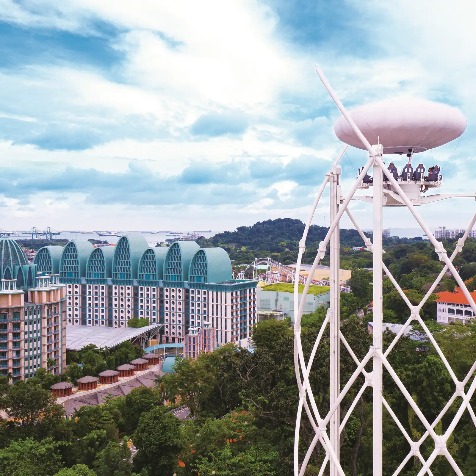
x,y
32,408
90,446
29,457
76,470
45,379
394,302
227,462
211,384
139,401
114,460
229,445
93,362
159,441
361,286
74,372
137,322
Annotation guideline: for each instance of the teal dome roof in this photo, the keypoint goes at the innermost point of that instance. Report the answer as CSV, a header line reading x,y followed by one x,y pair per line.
x,y
99,265
74,258
177,261
210,265
128,252
151,265
11,256
48,259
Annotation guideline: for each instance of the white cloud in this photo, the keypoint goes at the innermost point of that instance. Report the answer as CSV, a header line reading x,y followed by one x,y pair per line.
x,y
178,61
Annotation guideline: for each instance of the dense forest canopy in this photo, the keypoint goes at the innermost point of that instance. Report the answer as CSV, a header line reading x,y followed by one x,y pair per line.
x,y
244,408
280,238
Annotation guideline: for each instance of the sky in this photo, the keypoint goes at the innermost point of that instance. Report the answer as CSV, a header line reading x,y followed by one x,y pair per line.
x,y
187,115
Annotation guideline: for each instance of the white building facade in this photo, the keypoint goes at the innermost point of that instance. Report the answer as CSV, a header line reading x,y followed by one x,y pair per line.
x,y
181,287
453,307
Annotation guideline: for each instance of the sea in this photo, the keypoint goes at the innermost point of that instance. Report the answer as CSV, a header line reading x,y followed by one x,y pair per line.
x,y
152,237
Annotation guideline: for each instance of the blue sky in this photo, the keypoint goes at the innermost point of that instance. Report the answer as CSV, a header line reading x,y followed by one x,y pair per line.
x,y
209,115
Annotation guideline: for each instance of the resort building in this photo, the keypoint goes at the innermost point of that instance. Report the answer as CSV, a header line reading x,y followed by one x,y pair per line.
x,y
180,287
452,306
32,316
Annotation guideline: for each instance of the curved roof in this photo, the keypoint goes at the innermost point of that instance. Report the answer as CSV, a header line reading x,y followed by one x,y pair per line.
x,y
78,337
74,259
11,255
177,261
99,265
22,277
128,252
151,264
160,253
210,265
48,259
26,276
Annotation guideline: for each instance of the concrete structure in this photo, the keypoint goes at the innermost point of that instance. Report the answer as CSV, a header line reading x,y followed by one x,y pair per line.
x,y
180,287
284,302
454,307
32,316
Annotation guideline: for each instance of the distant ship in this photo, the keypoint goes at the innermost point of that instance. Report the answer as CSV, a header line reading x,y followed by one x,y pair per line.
x,y
190,236
174,233
107,233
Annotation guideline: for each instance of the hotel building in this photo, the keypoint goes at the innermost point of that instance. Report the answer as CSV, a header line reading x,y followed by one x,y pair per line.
x,y
32,316
181,287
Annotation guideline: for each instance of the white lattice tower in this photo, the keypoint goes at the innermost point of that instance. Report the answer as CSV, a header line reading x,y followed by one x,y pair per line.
x,y
328,425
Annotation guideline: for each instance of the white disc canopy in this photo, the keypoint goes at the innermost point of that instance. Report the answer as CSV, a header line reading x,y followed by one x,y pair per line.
x,y
401,124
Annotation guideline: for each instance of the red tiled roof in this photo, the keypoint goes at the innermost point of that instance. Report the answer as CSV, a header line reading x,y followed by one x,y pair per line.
x,y
456,297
